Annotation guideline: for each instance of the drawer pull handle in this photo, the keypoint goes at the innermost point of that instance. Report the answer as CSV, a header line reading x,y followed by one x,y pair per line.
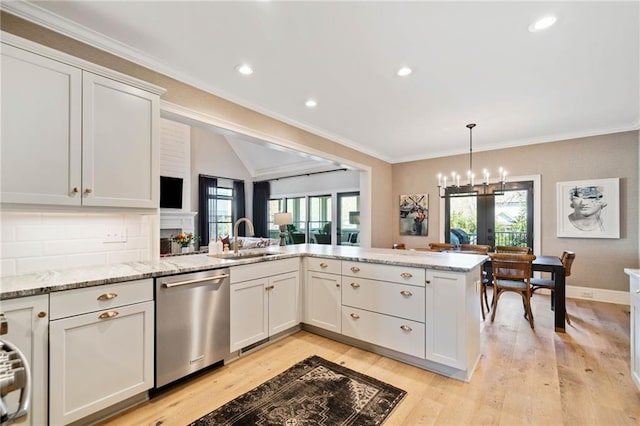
x,y
355,285
323,265
107,315
107,296
355,269
88,190
406,328
355,316
406,275
337,285
270,287
406,293
42,314
428,282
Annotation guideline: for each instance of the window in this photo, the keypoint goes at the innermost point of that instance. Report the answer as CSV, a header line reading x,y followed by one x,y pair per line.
x,y
220,212
220,201
320,219
298,208
275,206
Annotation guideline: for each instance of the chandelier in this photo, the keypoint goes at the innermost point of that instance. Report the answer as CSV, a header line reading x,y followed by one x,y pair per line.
x,y
469,188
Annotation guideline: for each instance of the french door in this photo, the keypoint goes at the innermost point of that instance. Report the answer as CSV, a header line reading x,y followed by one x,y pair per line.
x,y
348,228
495,219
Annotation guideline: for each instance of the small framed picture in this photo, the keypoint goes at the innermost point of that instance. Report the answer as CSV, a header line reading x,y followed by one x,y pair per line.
x,y
589,208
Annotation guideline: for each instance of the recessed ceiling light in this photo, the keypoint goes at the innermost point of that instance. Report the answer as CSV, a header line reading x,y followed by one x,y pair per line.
x,y
244,69
404,71
542,24
311,103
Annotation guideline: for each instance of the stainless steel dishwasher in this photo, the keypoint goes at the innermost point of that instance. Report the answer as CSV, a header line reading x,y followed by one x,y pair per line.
x,y
192,323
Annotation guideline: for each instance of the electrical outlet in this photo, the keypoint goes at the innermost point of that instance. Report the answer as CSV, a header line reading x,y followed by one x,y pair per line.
x,y
587,294
115,235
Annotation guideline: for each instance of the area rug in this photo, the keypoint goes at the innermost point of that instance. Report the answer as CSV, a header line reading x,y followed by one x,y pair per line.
x,y
312,392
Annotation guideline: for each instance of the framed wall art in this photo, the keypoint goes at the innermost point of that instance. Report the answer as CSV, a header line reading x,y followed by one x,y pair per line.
x,y
414,214
589,208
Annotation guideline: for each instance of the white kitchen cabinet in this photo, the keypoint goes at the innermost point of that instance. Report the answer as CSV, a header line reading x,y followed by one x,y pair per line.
x,y
323,296
28,325
41,129
74,137
264,301
452,320
634,288
100,357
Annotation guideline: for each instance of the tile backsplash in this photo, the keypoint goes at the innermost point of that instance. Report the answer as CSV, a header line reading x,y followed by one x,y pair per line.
x,y
35,242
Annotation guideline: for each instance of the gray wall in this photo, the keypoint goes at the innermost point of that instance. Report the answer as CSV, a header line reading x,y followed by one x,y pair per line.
x,y
599,262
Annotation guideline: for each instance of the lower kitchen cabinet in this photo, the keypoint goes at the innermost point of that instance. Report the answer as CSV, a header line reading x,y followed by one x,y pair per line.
x,y
323,301
634,289
99,357
28,325
264,306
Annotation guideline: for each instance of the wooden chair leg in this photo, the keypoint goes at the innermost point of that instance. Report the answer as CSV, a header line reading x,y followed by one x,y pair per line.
x,y
496,296
529,312
482,291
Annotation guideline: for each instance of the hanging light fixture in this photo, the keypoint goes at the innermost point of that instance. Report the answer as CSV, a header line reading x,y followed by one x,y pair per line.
x,y
470,189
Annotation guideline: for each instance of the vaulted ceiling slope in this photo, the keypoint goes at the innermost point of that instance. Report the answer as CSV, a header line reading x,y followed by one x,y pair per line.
x,y
471,62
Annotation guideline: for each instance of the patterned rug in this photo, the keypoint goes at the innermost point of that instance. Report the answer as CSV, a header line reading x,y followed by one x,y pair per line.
x,y
312,392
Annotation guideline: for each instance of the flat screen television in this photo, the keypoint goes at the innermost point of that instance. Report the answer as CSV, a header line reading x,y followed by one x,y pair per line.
x,y
170,192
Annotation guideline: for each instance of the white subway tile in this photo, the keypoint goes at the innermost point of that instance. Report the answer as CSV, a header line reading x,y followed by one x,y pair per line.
x,y
86,259
123,256
16,249
54,248
40,264
7,267
137,243
40,233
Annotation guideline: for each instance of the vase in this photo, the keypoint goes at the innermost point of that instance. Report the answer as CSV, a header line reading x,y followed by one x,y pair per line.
x,y
185,249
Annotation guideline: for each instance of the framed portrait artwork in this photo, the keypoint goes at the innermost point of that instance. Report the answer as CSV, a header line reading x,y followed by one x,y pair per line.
x,y
589,208
414,214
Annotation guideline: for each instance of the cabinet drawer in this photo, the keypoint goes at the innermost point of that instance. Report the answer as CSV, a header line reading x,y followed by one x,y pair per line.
x,y
394,333
263,269
376,271
399,300
83,300
319,264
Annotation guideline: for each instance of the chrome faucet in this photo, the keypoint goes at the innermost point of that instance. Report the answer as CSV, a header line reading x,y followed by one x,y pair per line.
x,y
235,232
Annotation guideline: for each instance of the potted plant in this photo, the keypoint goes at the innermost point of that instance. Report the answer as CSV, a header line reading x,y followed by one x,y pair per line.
x,y
184,240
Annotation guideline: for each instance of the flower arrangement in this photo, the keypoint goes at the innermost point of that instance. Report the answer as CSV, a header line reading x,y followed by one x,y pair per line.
x,y
183,239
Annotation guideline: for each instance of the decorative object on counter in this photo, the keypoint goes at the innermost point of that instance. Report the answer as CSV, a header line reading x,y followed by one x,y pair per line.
x,y
470,189
414,211
215,246
312,391
283,219
589,208
184,240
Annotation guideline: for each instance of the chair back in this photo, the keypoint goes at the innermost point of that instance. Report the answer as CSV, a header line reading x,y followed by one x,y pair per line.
x,y
567,260
441,246
513,250
513,267
399,246
479,249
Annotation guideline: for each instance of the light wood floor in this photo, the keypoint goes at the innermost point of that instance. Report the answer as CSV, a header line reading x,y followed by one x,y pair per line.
x,y
525,377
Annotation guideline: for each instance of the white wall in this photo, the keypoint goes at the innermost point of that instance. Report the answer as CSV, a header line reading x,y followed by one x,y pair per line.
x,y
318,184
36,242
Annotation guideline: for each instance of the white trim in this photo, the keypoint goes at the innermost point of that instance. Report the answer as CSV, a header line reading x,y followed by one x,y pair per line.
x,y
599,295
24,44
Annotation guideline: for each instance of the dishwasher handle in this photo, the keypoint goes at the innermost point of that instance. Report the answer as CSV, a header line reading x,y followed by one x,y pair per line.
x,y
197,280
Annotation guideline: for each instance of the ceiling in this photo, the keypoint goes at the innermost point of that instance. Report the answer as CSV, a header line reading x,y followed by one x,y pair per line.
x,y
472,62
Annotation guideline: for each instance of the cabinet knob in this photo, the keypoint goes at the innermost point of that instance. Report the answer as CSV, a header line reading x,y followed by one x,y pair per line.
x,y
406,293
323,265
406,275
107,315
88,190
42,314
355,316
428,281
337,285
75,190
355,269
638,291
107,296
405,328
355,285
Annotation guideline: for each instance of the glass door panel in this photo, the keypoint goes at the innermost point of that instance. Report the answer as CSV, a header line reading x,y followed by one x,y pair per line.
x,y
275,206
320,219
348,227
297,233
511,219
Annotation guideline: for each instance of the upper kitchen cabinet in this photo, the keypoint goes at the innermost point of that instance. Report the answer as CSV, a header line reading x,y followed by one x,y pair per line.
x,y
74,133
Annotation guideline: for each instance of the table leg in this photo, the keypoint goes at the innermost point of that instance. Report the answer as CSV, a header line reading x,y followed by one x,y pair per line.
x,y
560,294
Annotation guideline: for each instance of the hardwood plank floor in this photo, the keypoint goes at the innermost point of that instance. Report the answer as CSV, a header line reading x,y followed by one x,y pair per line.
x,y
525,377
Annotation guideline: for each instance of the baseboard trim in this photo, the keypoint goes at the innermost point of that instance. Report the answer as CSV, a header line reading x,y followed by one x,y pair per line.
x,y
598,295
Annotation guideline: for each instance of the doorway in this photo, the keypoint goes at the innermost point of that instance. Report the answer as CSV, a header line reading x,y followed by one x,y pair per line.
x,y
502,219
348,226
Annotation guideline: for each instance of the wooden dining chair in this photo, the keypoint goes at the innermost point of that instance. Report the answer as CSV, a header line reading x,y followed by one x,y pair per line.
x,y
484,280
441,246
512,272
399,246
513,250
475,248
567,259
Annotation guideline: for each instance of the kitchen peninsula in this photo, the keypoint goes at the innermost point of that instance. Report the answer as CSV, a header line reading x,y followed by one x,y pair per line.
x,y
417,307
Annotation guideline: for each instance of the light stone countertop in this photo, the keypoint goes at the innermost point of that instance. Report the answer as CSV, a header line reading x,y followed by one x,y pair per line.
x,y
60,280
632,272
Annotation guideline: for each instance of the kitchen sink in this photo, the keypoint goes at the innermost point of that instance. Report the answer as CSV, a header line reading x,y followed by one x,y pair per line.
x,y
243,254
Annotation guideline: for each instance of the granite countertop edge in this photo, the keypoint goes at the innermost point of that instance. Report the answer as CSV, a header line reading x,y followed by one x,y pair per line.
x,y
69,279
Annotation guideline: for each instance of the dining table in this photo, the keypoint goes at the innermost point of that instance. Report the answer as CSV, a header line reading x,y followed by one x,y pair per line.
x,y
554,265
